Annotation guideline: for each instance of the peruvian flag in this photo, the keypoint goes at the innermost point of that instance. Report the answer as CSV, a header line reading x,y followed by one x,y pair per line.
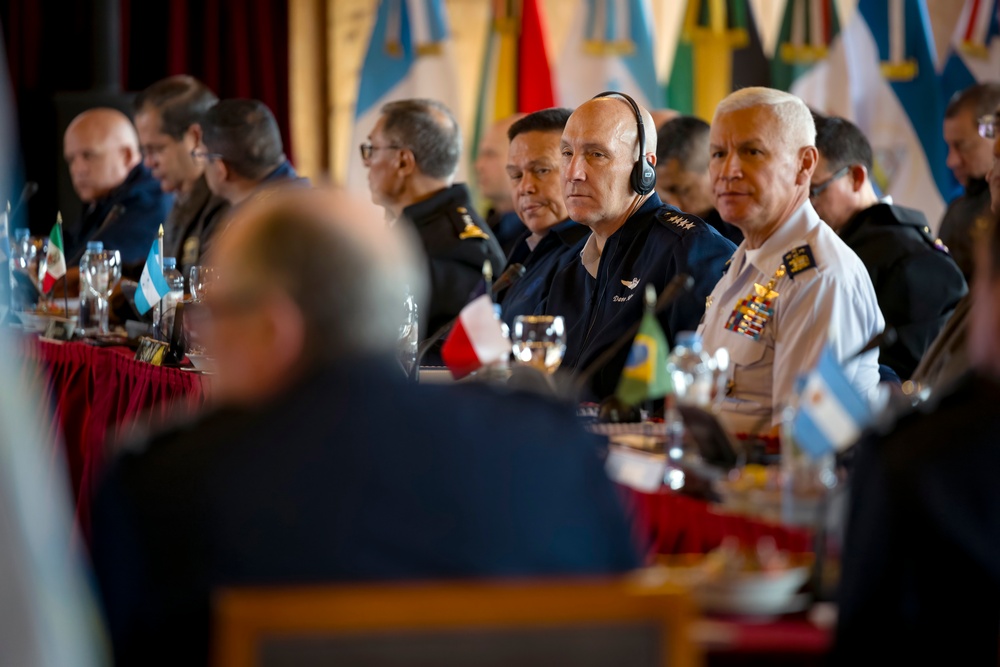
x,y
476,339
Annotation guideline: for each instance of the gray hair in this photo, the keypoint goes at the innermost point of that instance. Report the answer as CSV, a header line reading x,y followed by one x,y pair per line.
x,y
346,271
797,126
429,130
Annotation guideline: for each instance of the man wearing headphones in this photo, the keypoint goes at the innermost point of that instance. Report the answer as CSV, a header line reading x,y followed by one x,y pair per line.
x,y
608,157
793,288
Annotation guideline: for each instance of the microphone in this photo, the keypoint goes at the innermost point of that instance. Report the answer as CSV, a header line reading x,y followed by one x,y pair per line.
x,y
680,284
29,191
887,337
511,275
116,212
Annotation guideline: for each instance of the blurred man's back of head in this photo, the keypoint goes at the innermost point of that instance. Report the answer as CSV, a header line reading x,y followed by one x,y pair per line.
x,y
318,278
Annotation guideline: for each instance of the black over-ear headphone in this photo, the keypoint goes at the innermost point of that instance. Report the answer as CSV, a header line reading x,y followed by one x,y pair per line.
x,y
643,176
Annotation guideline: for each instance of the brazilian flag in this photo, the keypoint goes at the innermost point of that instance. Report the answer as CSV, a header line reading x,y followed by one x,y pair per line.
x,y
645,374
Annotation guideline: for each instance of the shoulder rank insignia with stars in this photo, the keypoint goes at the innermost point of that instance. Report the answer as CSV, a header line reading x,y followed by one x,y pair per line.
x,y
678,221
798,260
471,231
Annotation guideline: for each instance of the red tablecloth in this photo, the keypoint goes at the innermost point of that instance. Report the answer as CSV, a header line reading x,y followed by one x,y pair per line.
x,y
99,394
669,523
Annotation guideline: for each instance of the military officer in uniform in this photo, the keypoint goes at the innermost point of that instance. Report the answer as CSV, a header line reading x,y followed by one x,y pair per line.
x,y
536,187
793,287
412,155
608,159
917,283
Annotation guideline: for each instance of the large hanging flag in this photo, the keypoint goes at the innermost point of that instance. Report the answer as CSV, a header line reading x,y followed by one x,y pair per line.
x,y
610,47
718,51
516,76
409,55
807,30
880,74
55,258
974,52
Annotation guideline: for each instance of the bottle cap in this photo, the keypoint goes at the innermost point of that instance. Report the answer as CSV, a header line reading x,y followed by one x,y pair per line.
x,y
687,339
95,246
170,262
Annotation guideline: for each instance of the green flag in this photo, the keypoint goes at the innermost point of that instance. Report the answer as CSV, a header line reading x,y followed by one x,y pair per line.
x,y
645,374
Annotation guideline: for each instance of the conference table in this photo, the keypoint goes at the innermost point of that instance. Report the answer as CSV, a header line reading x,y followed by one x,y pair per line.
x,y
100,397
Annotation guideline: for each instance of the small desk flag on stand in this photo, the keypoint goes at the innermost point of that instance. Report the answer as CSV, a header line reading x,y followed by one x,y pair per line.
x,y
152,285
831,413
55,260
645,374
476,339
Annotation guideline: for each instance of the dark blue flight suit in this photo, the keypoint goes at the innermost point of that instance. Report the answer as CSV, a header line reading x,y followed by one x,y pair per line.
x,y
653,246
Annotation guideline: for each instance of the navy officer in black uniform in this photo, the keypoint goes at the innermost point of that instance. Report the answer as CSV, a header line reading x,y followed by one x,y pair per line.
x,y
608,156
412,155
917,283
536,187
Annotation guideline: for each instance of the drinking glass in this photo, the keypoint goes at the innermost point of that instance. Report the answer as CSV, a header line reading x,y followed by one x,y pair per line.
x,y
202,278
107,267
539,341
409,356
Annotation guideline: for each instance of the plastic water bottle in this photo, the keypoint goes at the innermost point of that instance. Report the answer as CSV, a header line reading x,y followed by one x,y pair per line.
x,y
23,265
691,371
169,303
90,293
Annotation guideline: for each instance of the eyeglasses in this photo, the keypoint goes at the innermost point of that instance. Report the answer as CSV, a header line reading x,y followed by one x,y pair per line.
x,y
988,126
205,156
368,148
817,190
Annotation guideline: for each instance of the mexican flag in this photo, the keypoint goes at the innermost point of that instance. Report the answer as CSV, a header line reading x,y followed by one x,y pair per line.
x,y
55,260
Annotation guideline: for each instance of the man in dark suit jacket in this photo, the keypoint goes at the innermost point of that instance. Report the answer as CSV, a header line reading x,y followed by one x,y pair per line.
x,y
412,155
921,565
917,283
322,463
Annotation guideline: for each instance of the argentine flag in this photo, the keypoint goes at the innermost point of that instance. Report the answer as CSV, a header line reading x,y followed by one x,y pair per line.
x,y
152,285
409,55
974,53
610,47
831,414
880,73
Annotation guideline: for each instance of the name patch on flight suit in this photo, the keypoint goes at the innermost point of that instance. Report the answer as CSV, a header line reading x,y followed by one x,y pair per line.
x,y
798,260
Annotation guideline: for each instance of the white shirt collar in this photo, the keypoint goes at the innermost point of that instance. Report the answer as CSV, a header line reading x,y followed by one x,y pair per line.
x,y
590,256
790,234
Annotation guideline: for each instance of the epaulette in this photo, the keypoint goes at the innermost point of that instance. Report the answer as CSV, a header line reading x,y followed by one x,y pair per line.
x,y
679,222
465,225
798,260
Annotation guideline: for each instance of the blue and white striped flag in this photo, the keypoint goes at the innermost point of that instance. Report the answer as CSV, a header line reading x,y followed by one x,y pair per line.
x,y
831,413
152,285
974,52
610,47
409,55
881,74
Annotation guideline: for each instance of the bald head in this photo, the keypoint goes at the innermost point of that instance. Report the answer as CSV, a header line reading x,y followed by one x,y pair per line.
x,y
491,164
599,147
308,277
101,148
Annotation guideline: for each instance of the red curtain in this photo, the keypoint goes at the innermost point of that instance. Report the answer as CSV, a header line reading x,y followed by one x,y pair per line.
x,y
239,48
